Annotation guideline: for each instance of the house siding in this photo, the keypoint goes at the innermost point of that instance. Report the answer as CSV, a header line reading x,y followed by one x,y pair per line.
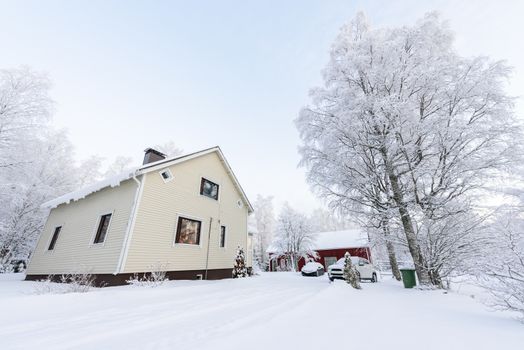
x,y
152,239
74,251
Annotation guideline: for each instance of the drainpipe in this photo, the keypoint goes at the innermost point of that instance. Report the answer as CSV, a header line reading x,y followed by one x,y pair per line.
x,y
208,243
130,225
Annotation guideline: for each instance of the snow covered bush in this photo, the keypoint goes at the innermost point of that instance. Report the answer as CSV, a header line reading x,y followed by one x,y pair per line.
x,y
350,272
78,282
239,269
66,283
154,278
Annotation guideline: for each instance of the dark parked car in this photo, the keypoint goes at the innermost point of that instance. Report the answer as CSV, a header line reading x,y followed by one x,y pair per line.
x,y
313,269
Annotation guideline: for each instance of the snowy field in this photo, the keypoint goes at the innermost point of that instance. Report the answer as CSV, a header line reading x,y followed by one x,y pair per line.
x,y
270,311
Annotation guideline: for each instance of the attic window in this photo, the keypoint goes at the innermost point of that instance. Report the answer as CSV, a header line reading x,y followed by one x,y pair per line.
x,y
209,189
166,175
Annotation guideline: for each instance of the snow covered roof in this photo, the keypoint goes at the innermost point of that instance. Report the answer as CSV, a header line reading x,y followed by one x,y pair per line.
x,y
353,238
83,192
115,181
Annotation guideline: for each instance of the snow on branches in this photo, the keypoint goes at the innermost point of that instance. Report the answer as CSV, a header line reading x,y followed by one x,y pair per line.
x,y
350,272
239,269
294,237
406,132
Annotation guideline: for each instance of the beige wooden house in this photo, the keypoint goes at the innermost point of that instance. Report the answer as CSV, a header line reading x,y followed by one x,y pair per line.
x,y
186,215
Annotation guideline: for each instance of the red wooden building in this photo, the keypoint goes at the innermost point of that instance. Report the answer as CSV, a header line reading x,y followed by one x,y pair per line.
x,y
330,246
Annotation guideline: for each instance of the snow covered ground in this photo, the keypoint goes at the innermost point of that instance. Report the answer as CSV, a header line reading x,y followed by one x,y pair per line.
x,y
264,312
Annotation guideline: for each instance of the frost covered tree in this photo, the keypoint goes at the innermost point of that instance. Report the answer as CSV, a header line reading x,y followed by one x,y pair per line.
x,y
294,237
119,165
323,220
501,269
400,107
239,269
170,149
44,169
36,162
350,273
25,107
264,221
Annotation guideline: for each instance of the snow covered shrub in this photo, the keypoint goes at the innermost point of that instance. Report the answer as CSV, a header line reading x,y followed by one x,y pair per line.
x,y
240,270
350,272
69,283
154,278
47,286
78,282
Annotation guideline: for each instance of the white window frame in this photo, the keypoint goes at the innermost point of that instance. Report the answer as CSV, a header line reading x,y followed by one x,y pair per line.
x,y
213,181
202,229
170,175
93,235
46,248
240,203
220,236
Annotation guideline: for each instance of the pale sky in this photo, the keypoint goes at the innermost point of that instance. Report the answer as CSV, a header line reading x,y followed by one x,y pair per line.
x,y
131,74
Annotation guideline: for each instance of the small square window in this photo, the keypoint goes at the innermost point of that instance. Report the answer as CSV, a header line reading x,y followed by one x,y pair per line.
x,y
209,189
101,231
54,238
166,175
222,236
188,231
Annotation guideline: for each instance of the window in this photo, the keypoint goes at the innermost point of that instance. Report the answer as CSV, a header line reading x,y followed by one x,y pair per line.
x,y
54,238
222,236
188,231
166,175
209,189
329,260
101,231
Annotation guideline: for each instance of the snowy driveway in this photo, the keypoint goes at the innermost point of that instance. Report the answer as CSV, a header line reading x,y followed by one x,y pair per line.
x,y
275,309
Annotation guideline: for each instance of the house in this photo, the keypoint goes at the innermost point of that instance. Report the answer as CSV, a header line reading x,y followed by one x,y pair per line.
x,y
330,246
186,214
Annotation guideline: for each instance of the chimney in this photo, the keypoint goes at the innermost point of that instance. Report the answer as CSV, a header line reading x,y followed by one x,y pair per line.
x,y
152,155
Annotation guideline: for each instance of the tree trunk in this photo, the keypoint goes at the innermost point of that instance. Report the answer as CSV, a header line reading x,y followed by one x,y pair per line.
x,y
391,251
407,224
435,278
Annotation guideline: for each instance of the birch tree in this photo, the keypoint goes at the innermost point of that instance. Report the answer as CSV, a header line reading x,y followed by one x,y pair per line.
x,y
25,106
400,108
36,162
500,269
43,169
264,218
294,236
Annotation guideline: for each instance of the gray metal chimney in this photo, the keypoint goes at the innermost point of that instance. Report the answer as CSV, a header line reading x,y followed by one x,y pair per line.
x,y
152,155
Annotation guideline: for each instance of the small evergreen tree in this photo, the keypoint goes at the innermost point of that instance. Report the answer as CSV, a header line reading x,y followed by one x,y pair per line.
x,y
350,273
240,270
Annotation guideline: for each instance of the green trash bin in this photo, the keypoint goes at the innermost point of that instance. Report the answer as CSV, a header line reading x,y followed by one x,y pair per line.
x,y
408,278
